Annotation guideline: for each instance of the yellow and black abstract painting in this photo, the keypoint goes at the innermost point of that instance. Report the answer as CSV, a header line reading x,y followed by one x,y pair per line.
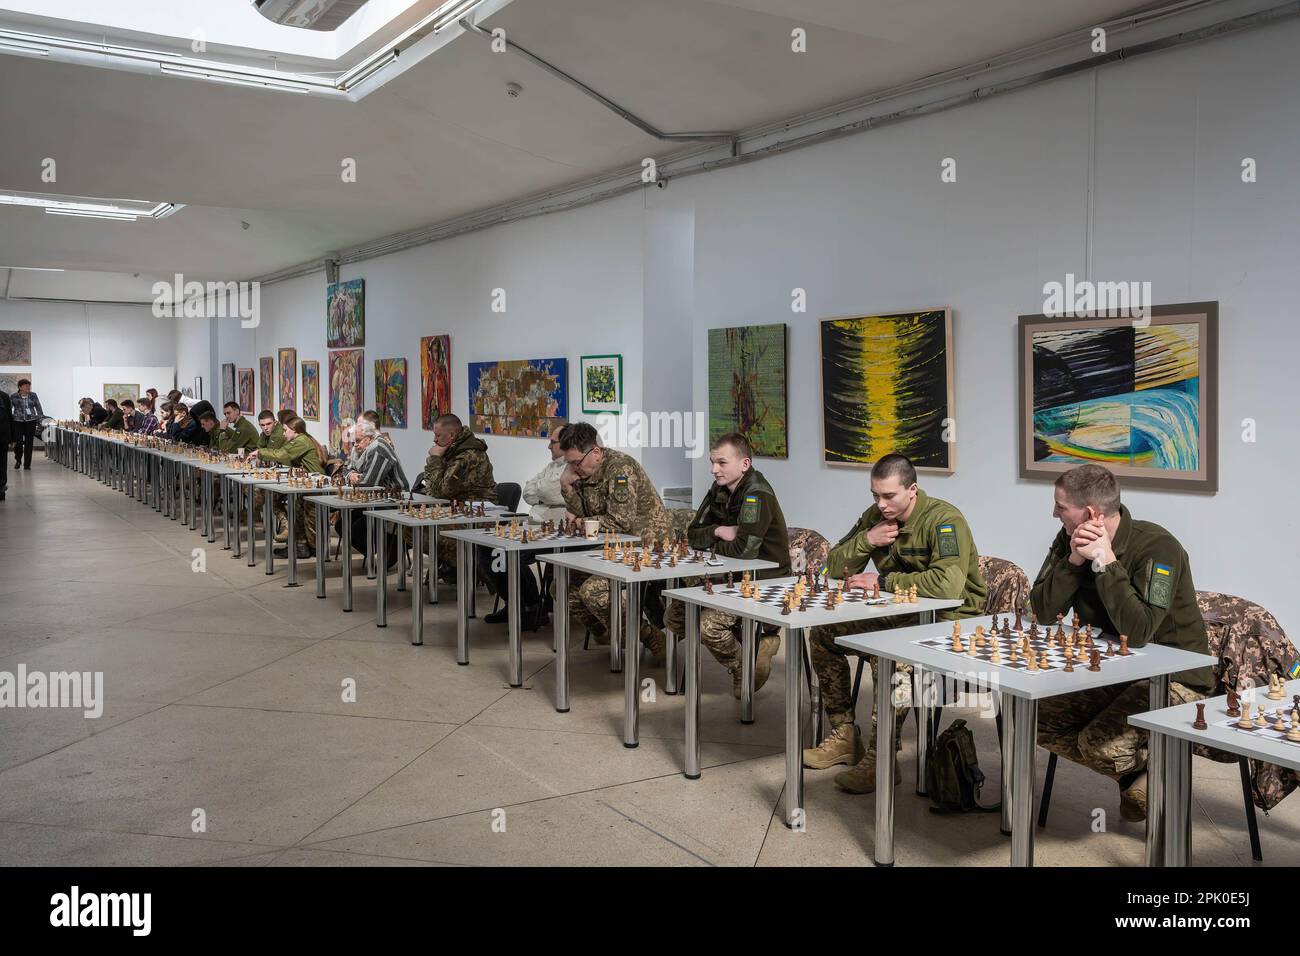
x,y
887,387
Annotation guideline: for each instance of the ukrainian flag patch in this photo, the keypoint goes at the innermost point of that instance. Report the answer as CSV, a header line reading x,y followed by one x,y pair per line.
x,y
749,510
1294,670
948,547
1161,588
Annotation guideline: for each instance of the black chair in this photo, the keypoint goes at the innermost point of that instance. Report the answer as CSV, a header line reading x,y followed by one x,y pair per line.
x,y
508,495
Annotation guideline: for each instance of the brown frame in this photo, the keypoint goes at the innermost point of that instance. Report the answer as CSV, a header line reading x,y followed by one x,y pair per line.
x,y
1206,314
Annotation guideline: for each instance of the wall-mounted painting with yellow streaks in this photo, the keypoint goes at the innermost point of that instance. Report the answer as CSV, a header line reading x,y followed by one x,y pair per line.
x,y
887,387
1135,395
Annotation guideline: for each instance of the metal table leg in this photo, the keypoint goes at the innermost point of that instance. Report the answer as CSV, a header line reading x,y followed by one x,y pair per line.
x,y
463,551
792,809
417,589
209,513
1178,799
560,623
268,528
886,760
370,547
192,489
1025,733
345,533
291,549
381,588
747,628
227,518
433,566
631,664
671,662
513,600
1008,758
321,535
693,676
401,563
1158,698
923,691
615,627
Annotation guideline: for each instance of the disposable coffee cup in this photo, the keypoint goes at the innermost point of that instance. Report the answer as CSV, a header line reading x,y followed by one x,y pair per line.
x,y
591,527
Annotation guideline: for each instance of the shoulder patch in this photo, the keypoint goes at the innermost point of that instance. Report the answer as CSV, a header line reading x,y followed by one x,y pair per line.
x,y
620,491
749,510
1160,589
948,545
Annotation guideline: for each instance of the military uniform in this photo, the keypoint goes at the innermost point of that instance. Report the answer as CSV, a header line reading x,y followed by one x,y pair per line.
x,y
273,441
298,452
935,553
463,472
242,434
1146,593
623,498
752,509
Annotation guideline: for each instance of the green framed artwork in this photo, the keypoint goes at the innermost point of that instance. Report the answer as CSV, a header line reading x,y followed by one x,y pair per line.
x,y
747,386
1139,397
887,386
602,384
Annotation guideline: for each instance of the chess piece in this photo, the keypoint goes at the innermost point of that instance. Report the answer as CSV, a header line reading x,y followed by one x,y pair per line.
x,y
1234,704
1094,663
1260,720
1069,664
1279,724
1199,723
1244,723
1275,689
1123,646
996,656
1043,663
708,585
1031,661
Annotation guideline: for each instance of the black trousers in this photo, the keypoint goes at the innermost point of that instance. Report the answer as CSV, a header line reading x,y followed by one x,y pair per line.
x,y
24,438
4,469
498,582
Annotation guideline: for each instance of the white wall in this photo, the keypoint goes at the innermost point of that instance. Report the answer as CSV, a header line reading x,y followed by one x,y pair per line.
x,y
865,225
65,335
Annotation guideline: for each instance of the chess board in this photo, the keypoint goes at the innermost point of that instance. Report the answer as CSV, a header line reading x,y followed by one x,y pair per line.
x,y
698,559
1055,652
774,595
1265,733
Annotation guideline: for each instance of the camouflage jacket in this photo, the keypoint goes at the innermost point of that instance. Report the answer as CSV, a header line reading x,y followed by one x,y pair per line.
x,y
752,509
1146,592
622,496
298,452
462,472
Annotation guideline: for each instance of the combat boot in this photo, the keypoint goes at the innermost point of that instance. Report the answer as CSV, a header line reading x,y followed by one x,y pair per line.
x,y
841,746
861,777
735,672
653,639
767,650
1133,800
281,529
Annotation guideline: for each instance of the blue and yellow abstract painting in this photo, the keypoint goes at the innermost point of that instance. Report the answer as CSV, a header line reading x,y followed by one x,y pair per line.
x,y
527,397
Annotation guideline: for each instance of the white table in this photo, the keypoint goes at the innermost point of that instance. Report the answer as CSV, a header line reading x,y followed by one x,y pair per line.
x,y
246,484
466,540
1172,727
796,625
1026,689
492,514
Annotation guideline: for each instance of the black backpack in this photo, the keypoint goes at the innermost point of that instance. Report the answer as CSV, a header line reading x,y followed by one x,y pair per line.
x,y
953,777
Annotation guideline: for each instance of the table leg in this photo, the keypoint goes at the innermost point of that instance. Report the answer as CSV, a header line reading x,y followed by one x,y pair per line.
x,y
463,551
472,573
345,536
670,651
513,601
792,810
417,589
615,627
433,567
1178,800
886,760
1008,712
252,527
268,528
692,682
632,665
381,567
560,624
192,487
370,547
1024,730
322,523
923,708
747,628
401,563
1158,698
209,512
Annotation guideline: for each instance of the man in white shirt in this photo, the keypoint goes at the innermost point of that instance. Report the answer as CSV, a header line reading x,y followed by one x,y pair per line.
x,y
543,489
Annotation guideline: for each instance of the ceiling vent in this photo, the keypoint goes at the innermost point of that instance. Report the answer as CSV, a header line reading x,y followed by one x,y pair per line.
x,y
322,15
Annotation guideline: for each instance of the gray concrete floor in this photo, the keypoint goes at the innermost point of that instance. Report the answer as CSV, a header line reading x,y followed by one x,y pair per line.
x,y
224,695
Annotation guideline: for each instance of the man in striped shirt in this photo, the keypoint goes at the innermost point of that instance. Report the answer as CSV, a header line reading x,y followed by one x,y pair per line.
x,y
378,467
146,420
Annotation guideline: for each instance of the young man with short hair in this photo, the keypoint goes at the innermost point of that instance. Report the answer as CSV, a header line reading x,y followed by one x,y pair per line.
x,y
114,420
272,432
148,421
298,451
236,432
1122,576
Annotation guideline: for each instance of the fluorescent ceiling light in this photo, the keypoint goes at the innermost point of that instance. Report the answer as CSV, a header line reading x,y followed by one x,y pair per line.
x,y
88,214
127,209
31,268
451,11
240,79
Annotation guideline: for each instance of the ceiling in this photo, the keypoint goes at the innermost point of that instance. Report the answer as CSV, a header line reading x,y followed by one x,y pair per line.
x,y
443,139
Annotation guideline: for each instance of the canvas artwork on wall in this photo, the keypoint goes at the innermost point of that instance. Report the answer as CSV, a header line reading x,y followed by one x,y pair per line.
x,y
1140,399
529,397
9,381
227,382
347,390
435,378
887,387
311,390
602,384
120,392
747,386
266,387
345,314
247,393
288,378
390,392
15,347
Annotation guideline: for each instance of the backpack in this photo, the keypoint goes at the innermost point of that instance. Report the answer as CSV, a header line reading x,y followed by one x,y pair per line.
x,y
953,777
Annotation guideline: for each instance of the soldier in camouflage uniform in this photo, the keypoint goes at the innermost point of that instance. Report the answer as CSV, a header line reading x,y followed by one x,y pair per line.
x,y
298,451
613,487
1123,577
270,435
914,541
236,433
457,468
740,518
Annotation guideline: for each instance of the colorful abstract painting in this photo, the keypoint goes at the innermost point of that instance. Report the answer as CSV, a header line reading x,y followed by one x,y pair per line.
x,y
887,387
601,378
247,393
288,359
266,387
227,382
345,314
347,390
747,386
15,347
390,392
1137,398
311,390
121,392
529,397
435,378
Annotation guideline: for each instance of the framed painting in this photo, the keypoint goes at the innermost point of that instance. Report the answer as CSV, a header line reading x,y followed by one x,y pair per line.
x,y
311,390
527,397
1140,397
887,386
602,384
227,382
435,378
345,314
121,392
266,387
390,392
347,390
247,393
15,347
9,381
747,386
288,359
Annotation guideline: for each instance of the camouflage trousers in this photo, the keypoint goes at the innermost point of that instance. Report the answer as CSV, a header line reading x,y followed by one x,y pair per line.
x,y
304,522
589,604
1091,727
717,631
830,662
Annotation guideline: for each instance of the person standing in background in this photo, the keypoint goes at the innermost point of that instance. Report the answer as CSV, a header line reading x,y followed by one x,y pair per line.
x,y
6,436
27,414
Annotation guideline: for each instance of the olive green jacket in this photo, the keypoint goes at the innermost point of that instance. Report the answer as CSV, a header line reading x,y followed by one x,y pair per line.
x,y
298,452
752,509
243,434
1146,592
273,440
934,552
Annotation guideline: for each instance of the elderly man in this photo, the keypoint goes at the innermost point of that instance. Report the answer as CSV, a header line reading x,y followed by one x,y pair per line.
x,y
377,467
